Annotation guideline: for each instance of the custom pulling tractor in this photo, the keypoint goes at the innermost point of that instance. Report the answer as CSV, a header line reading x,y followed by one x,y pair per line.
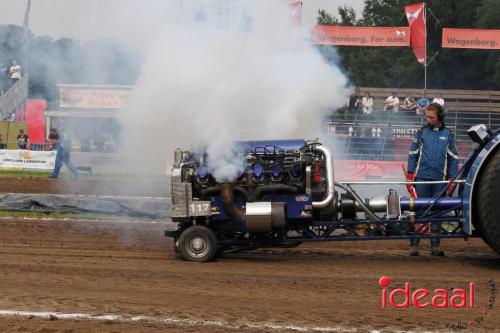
x,y
287,195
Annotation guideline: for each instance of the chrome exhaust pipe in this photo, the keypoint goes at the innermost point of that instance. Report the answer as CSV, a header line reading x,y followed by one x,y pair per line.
x,y
329,179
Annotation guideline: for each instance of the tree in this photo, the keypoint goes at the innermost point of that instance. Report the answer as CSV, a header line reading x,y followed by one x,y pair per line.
x,y
67,60
397,67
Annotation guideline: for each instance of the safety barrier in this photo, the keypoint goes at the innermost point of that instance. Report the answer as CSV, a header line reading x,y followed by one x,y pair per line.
x,y
13,99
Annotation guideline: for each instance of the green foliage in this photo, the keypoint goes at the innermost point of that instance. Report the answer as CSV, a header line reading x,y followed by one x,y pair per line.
x,y
68,61
398,67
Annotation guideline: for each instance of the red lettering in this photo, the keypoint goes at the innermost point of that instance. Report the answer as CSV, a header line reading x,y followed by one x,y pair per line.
x,y
461,296
406,294
440,294
400,298
418,295
472,295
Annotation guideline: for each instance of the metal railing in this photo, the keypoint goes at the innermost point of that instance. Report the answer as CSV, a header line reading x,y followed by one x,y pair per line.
x,y
13,98
386,136
31,146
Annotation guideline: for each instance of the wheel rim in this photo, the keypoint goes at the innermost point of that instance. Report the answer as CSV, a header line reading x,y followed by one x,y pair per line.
x,y
197,247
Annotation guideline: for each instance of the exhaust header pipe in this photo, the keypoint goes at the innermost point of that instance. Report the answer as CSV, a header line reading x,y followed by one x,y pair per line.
x,y
330,190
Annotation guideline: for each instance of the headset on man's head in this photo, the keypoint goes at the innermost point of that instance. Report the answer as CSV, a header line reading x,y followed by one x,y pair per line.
x,y
440,110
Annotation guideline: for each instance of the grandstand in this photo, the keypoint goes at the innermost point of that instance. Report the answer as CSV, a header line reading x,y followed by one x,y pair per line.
x,y
360,138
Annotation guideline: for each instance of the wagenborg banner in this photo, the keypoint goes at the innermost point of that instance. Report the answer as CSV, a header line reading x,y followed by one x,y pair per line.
x,y
471,38
361,36
27,159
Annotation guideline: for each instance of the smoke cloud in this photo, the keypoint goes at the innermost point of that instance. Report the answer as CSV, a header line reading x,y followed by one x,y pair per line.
x,y
205,86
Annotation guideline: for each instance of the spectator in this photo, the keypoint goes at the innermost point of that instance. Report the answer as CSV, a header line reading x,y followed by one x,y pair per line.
x,y
63,147
52,139
353,102
332,129
367,103
422,104
23,140
350,130
2,146
392,101
14,73
439,99
409,103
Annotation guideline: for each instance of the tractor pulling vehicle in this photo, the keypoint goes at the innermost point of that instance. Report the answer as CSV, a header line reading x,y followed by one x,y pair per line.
x,y
287,195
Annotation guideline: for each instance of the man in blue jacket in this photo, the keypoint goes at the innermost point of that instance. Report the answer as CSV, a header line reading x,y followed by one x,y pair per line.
x,y
433,156
62,143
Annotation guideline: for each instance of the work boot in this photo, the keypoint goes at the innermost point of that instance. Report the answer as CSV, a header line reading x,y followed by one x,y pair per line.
x,y
436,251
413,251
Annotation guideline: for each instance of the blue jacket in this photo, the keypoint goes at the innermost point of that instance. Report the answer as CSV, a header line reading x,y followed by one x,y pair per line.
x,y
433,154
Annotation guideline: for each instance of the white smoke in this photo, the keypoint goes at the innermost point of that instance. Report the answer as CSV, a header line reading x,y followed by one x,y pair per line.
x,y
202,86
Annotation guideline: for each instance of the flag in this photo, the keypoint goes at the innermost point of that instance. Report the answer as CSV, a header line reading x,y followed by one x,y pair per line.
x,y
295,12
26,24
415,13
26,35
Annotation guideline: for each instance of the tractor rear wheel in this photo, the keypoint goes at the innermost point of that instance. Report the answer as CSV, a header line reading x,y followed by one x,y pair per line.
x,y
488,208
197,243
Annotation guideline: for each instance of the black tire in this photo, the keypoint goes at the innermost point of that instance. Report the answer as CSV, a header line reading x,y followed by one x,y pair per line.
x,y
486,201
198,244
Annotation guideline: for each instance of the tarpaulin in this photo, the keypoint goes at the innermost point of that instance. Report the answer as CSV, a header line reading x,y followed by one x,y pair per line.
x,y
415,13
35,120
361,36
471,38
139,207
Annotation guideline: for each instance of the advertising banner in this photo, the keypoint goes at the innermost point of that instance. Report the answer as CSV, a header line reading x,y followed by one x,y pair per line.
x,y
359,170
361,36
35,120
471,39
93,98
27,159
403,132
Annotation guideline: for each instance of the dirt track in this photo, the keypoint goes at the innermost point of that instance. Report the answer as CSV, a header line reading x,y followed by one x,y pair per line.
x,y
128,269
102,186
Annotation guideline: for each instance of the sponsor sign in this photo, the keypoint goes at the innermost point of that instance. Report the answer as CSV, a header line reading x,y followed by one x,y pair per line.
x,y
27,159
358,170
93,98
361,36
402,132
471,38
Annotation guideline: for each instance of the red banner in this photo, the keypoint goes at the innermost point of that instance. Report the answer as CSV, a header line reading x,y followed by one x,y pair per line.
x,y
296,12
359,170
471,38
415,14
35,120
361,36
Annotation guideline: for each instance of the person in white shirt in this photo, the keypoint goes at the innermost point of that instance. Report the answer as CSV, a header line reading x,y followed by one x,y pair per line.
x,y
439,99
393,101
14,72
409,103
367,103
